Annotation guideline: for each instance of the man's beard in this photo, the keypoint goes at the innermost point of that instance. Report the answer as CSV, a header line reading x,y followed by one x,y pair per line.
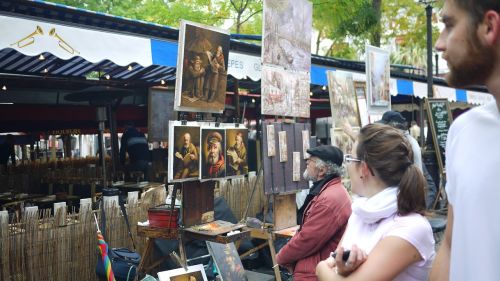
x,y
475,68
308,177
212,159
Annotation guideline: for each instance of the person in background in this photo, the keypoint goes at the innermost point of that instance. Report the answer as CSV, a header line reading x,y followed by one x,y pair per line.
x,y
323,216
415,130
470,42
135,144
396,120
6,152
387,235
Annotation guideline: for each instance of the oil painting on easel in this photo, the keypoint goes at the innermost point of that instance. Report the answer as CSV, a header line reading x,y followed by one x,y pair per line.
x,y
184,152
236,153
343,100
287,29
213,147
227,261
285,93
201,68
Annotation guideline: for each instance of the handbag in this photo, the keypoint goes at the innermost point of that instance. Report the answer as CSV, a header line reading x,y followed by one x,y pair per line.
x,y
124,262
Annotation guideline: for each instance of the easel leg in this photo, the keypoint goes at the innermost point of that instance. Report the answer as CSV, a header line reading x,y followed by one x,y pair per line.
x,y
145,257
182,251
273,256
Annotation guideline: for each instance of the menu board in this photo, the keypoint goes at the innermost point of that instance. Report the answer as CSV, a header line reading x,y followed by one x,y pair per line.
x,y
440,118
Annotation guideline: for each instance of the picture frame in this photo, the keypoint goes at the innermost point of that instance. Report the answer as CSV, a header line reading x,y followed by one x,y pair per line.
x,y
183,151
360,89
193,273
202,63
236,152
377,80
213,156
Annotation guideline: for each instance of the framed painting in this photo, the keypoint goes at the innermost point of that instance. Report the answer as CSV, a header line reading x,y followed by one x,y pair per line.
x,y
202,63
213,147
287,30
378,80
236,152
360,89
193,273
183,151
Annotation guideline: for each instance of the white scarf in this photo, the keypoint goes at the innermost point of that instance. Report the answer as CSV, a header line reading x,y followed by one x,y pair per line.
x,y
380,206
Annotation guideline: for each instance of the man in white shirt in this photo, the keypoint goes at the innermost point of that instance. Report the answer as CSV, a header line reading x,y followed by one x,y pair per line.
x,y
470,43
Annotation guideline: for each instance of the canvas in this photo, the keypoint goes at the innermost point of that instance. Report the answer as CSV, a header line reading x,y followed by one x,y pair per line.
x,y
285,93
342,140
213,147
287,30
236,152
202,63
378,80
193,273
296,166
343,101
306,143
183,151
227,261
271,147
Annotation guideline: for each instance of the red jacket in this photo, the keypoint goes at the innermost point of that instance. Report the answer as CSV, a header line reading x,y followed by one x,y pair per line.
x,y
323,224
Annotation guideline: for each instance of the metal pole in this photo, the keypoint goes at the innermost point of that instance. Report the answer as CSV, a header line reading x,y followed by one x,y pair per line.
x,y
428,13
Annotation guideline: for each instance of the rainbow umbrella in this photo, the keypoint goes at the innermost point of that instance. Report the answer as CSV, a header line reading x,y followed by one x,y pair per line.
x,y
103,249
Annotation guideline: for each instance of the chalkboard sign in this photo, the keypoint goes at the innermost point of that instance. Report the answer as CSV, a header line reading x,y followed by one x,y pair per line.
x,y
440,118
160,111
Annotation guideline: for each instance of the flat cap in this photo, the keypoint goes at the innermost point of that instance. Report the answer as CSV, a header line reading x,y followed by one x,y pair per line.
x,y
214,137
328,153
392,117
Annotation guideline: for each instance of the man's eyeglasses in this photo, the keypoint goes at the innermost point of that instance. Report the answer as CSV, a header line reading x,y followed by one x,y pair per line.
x,y
348,159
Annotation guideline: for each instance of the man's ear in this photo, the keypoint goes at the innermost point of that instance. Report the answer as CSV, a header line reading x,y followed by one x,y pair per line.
x,y
489,30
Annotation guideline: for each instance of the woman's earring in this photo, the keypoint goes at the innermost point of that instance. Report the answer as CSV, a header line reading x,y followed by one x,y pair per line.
x,y
360,177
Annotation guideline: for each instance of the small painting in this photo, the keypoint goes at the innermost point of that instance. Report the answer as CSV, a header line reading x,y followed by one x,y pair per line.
x,y
236,152
193,273
201,68
296,166
184,152
341,140
213,147
283,146
305,143
271,147
378,80
227,261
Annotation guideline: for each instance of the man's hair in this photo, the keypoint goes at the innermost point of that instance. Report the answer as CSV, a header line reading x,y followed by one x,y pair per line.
x,y
331,168
477,8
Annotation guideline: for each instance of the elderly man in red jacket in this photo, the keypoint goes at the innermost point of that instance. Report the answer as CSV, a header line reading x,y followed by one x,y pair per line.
x,y
322,218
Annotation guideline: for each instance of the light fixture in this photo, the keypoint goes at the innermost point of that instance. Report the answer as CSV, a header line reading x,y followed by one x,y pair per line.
x,y
45,70
162,82
310,94
324,88
41,57
4,88
107,76
129,68
253,100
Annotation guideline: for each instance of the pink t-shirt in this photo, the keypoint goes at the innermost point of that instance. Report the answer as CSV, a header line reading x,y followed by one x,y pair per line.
x,y
413,228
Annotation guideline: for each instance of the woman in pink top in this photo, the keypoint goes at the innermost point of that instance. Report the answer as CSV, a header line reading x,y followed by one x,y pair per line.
x,y
387,235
